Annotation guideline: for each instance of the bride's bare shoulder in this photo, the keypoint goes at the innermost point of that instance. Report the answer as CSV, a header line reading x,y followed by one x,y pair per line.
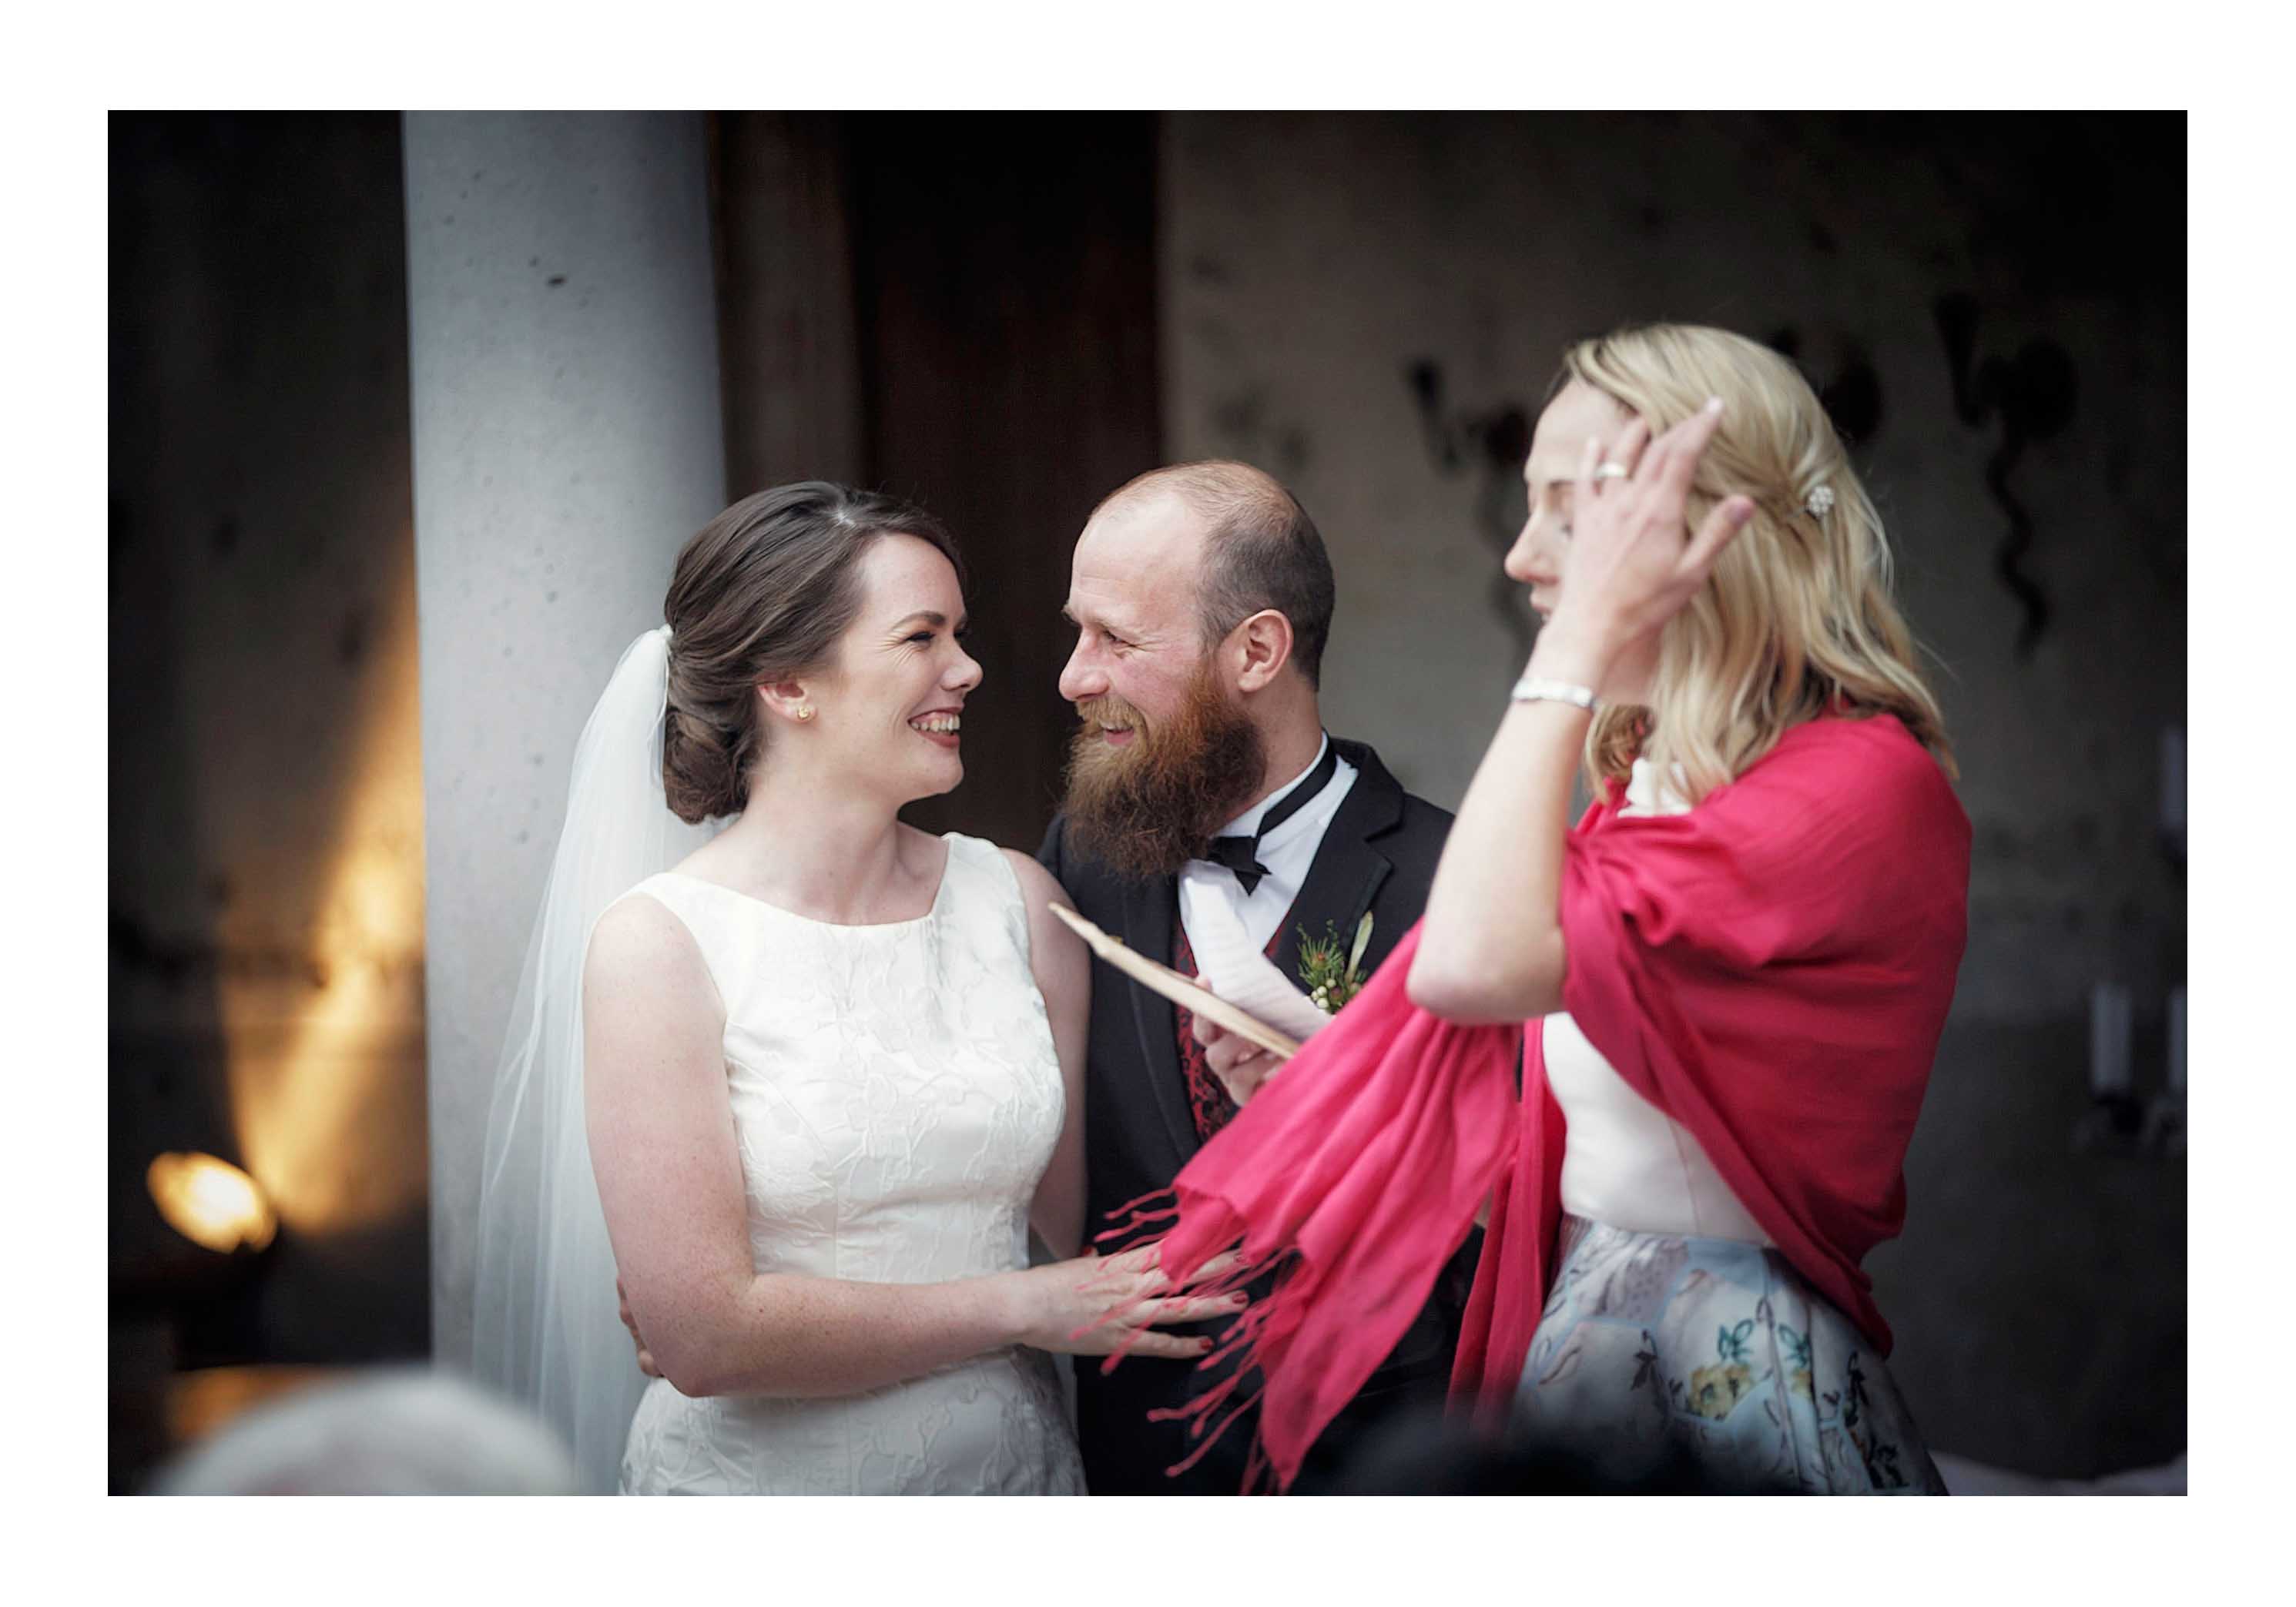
x,y
640,946
1036,883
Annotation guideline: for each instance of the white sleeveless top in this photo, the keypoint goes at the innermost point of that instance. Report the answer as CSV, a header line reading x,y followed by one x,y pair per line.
x,y
1625,1162
896,1098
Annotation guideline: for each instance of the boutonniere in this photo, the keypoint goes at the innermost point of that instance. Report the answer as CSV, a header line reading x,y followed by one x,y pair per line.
x,y
1329,982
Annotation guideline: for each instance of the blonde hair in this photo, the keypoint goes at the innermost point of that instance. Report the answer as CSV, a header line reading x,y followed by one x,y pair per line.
x,y
1796,620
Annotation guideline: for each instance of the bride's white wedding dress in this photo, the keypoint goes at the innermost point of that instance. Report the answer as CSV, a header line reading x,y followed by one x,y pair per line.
x,y
896,1098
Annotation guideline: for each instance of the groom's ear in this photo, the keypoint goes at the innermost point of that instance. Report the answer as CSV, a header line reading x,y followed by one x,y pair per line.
x,y
1261,647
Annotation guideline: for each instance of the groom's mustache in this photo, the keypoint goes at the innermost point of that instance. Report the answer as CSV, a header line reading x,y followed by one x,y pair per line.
x,y
1111,710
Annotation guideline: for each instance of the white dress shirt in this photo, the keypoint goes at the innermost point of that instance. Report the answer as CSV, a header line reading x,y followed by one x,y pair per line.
x,y
1287,852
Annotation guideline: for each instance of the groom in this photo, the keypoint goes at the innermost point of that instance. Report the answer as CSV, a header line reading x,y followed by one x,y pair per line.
x,y
1201,776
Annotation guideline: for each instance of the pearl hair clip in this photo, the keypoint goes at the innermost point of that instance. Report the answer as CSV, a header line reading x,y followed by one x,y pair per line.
x,y
1819,502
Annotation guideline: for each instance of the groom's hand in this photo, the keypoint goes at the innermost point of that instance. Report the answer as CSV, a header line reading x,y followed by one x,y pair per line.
x,y
1239,1064
630,1321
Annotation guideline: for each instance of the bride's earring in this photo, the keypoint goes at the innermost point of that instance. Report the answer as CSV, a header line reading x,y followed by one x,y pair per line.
x,y
804,712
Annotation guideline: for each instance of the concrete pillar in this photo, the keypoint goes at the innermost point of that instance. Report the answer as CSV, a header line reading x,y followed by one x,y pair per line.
x,y
567,440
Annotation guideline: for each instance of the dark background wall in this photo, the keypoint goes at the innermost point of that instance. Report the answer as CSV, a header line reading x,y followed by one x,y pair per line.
x,y
1005,317
266,891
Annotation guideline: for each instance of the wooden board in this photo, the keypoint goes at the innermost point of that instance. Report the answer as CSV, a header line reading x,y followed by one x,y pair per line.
x,y
1173,986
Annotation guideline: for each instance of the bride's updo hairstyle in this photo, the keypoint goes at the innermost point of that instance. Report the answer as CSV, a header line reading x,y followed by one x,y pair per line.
x,y
1796,620
761,593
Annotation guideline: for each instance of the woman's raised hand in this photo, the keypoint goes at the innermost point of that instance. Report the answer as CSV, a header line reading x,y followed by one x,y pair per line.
x,y
1065,1303
1633,562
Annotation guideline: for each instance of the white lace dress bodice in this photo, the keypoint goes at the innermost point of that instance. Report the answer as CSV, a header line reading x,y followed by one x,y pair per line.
x,y
896,1098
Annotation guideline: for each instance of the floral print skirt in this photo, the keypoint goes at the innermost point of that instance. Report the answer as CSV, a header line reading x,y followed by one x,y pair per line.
x,y
1718,1352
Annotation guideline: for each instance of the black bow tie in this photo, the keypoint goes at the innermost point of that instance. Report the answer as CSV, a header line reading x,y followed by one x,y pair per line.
x,y
1241,855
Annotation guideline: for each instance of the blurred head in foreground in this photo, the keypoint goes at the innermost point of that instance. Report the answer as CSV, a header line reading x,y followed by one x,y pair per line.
x,y
1433,1454
402,1432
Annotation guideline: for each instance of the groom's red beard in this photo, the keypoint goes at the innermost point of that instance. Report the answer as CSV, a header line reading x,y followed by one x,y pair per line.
x,y
1148,807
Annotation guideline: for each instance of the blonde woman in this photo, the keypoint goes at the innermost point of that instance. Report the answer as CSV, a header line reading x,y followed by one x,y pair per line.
x,y
1733,972
1722,606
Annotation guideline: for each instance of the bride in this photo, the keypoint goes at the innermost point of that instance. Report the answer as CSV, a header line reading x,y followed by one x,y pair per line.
x,y
806,1081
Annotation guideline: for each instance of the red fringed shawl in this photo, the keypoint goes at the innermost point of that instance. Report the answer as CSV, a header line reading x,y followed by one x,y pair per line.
x,y
1772,970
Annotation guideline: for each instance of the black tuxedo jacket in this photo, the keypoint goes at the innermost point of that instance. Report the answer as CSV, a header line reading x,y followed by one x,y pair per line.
x,y
1379,855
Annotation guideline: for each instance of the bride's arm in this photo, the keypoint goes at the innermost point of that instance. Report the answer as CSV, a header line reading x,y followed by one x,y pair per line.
x,y
670,1178
1063,971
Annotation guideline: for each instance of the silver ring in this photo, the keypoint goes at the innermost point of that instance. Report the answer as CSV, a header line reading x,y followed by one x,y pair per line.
x,y
1612,472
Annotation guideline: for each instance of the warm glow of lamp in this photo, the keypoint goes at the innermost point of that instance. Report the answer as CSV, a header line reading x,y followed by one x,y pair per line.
x,y
211,1202
325,1083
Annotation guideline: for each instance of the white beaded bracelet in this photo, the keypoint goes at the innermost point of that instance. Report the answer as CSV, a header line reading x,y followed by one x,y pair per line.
x,y
1531,689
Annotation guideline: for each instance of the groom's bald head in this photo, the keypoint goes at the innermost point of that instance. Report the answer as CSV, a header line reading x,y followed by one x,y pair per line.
x,y
1259,549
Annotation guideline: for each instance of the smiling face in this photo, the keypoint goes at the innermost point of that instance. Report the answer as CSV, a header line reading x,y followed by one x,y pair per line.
x,y
1132,598
1164,755
1550,476
888,708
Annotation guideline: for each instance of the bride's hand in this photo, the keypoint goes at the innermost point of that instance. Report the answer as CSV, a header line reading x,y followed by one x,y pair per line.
x,y
1063,1305
629,1321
